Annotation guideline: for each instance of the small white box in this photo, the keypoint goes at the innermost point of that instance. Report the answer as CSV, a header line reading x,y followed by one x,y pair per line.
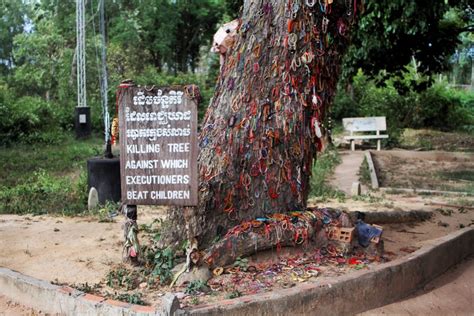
x,y
82,119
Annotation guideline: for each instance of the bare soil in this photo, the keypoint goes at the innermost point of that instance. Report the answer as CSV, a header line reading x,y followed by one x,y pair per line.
x,y
441,171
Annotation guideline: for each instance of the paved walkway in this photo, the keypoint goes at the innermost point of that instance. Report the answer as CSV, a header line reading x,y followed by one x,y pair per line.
x,y
450,294
346,173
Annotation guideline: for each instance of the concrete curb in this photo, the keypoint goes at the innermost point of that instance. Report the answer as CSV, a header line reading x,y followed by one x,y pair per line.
x,y
64,300
374,182
358,292
417,191
350,294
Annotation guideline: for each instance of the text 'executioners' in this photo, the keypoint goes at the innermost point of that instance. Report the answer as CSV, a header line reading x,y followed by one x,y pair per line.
x,y
156,179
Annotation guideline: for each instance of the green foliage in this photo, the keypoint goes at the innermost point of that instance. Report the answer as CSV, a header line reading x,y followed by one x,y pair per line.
x,y
194,300
47,178
463,175
42,193
163,261
364,173
120,278
232,8
322,169
391,32
40,59
29,119
437,107
241,263
233,294
195,287
104,212
132,298
12,23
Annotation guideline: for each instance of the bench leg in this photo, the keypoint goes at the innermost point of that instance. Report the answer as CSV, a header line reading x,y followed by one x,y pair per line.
x,y
352,145
378,145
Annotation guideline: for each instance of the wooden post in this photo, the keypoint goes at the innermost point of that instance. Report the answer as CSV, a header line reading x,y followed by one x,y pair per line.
x,y
378,141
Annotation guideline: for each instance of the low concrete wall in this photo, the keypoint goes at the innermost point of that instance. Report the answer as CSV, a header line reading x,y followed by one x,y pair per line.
x,y
64,300
358,292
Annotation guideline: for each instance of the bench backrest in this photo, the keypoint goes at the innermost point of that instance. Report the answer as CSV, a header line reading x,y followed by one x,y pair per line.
x,y
364,124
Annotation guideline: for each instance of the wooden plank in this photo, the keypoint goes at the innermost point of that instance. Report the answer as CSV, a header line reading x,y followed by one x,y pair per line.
x,y
158,146
365,124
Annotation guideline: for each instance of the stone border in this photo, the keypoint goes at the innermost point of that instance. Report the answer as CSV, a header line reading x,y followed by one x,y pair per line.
x,y
416,191
374,182
349,294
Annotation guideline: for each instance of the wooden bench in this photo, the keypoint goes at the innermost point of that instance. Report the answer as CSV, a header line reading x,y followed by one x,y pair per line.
x,y
363,125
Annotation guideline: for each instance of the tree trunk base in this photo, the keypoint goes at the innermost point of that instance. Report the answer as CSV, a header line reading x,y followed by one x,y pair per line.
x,y
320,228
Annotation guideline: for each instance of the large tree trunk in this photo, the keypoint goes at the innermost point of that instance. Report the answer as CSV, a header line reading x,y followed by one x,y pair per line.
x,y
266,121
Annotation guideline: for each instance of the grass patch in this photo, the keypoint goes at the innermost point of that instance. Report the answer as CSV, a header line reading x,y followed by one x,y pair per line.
x,y
425,139
368,198
466,175
462,202
20,162
364,173
322,169
394,191
42,179
132,298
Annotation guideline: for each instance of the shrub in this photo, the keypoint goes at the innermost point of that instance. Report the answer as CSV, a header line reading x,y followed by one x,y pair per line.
x,y
28,120
43,193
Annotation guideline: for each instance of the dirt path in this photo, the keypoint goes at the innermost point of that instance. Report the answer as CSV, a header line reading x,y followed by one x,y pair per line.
x,y
450,294
346,173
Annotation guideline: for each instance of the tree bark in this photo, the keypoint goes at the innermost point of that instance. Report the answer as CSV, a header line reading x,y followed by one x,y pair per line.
x,y
281,230
265,122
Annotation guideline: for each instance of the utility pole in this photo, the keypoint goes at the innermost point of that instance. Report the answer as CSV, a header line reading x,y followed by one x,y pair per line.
x,y
104,86
82,117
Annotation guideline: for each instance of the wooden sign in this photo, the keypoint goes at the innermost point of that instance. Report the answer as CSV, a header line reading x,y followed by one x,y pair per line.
x,y
158,145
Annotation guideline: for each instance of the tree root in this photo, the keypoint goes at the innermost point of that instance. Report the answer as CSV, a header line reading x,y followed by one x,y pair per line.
x,y
275,231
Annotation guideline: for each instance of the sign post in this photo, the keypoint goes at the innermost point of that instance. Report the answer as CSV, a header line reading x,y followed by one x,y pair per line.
x,y
158,145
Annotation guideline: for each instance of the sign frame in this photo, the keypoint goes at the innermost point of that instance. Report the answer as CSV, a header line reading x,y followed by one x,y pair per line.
x,y
158,145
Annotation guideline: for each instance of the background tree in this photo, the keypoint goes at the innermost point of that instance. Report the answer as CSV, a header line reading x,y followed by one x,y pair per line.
x,y
12,23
